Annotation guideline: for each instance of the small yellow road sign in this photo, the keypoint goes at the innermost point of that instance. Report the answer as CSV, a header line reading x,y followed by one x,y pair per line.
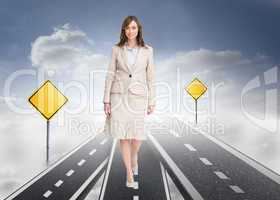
x,y
196,88
47,99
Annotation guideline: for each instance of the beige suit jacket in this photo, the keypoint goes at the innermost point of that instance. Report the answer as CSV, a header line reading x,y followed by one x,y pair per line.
x,y
138,79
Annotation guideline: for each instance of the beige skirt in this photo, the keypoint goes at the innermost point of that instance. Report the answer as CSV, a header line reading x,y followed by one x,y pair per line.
x,y
127,117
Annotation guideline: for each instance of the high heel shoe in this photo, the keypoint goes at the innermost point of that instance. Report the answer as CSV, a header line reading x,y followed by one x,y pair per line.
x,y
132,184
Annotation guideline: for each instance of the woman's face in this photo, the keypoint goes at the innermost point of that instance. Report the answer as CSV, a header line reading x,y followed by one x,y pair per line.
x,y
131,30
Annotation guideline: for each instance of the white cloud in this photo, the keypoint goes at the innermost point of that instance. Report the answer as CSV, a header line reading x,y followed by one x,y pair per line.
x,y
11,99
211,67
5,98
208,58
68,50
203,61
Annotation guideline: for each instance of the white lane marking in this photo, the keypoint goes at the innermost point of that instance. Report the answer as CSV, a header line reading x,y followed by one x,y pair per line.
x,y
51,167
103,188
221,175
81,162
89,180
166,188
135,197
190,147
47,193
250,161
236,189
178,173
205,161
92,152
70,172
104,141
58,183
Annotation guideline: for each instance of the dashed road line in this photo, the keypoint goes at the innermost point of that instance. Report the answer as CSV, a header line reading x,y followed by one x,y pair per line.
x,y
135,197
205,161
221,175
190,147
236,189
184,181
70,172
250,161
92,152
81,162
103,141
58,183
89,180
50,168
47,193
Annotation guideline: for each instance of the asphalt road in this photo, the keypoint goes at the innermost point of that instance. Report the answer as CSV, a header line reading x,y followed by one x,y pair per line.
x,y
66,179
216,171
149,178
201,166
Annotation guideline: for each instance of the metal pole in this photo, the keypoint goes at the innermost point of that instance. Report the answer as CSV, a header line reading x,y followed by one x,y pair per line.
x,y
48,130
195,111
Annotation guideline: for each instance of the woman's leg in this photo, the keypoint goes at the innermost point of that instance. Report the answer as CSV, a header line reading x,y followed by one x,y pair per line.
x,y
125,150
135,146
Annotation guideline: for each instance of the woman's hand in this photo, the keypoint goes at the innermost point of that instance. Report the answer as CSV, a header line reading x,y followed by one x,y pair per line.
x,y
107,109
151,109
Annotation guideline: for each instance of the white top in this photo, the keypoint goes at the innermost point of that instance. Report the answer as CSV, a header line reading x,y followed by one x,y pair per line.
x,y
131,54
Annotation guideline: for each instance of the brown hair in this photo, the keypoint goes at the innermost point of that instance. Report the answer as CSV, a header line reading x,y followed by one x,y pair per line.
x,y
123,38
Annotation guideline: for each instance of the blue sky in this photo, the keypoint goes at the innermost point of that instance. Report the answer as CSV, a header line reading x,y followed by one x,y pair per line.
x,y
221,40
248,26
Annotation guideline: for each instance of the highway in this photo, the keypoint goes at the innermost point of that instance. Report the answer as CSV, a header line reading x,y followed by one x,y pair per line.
x,y
200,166
67,178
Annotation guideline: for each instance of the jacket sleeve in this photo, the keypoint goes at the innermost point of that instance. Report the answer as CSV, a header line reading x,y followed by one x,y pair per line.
x,y
110,75
150,75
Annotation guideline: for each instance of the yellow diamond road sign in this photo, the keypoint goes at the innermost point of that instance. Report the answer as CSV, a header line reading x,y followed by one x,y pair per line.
x,y
196,88
47,99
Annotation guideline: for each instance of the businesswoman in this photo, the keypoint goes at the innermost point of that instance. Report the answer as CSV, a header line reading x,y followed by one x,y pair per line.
x,y
129,93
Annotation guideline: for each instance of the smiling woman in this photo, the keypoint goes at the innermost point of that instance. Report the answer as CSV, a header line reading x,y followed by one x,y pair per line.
x,y
129,81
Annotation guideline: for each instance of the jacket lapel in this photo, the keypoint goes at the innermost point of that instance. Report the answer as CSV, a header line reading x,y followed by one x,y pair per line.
x,y
123,54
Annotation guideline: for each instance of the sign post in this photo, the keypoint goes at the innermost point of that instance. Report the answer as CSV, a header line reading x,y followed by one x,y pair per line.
x,y
47,99
48,136
196,89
